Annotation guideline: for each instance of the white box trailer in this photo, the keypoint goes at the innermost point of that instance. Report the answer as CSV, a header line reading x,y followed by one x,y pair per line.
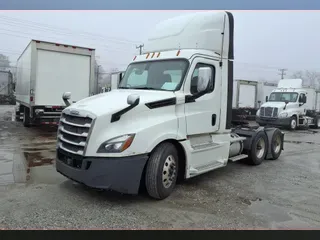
x,y
5,82
318,100
245,94
45,71
116,78
264,91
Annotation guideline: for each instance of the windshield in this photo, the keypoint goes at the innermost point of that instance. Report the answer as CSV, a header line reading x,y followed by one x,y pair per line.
x,y
156,75
283,97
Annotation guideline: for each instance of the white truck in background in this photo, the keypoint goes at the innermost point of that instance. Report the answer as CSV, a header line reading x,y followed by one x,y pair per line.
x,y
45,70
169,119
248,96
290,105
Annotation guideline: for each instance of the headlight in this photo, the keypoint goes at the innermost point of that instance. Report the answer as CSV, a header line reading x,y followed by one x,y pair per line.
x,y
283,115
117,144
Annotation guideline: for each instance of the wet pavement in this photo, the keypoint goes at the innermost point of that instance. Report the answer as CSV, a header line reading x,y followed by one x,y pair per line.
x,y
277,194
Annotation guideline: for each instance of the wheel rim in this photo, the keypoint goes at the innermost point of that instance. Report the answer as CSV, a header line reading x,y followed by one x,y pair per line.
x,y
277,144
169,171
261,146
293,124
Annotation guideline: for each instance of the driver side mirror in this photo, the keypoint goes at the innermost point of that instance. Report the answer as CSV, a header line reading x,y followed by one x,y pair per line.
x,y
66,95
204,77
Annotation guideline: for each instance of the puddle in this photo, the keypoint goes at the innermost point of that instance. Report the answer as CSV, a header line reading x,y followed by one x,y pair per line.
x,y
36,159
272,213
299,142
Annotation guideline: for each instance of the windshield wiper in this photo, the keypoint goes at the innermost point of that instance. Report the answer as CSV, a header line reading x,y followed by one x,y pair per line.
x,y
124,87
148,88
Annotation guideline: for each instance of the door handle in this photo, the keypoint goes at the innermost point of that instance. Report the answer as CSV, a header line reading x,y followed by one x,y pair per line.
x,y
213,119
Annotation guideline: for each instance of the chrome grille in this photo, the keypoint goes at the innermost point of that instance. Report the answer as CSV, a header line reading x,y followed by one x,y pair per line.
x,y
73,133
268,112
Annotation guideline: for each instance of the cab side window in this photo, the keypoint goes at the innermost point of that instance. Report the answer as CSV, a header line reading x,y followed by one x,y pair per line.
x,y
194,78
302,97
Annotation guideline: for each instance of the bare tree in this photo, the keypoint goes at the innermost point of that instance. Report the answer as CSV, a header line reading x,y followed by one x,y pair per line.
x,y
309,78
298,74
4,62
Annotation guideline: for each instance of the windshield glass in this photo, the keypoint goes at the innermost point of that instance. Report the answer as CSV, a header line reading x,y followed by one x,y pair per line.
x,y
156,75
283,97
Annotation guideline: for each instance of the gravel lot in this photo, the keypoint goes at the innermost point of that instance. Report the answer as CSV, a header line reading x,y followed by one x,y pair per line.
x,y
277,194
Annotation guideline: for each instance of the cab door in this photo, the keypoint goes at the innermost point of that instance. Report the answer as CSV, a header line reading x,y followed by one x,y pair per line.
x,y
203,114
302,100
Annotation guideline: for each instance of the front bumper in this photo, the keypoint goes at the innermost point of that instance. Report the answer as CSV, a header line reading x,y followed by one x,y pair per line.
x,y
273,121
119,174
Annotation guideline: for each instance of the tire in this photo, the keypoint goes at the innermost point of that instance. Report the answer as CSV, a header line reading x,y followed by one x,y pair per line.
x,y
256,155
18,117
317,125
276,144
293,126
162,159
26,117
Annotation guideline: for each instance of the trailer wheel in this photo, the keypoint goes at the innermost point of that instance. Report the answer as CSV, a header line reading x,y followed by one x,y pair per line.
x,y
259,149
162,171
26,117
293,123
276,144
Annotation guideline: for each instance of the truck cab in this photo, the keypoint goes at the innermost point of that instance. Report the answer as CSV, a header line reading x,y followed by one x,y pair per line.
x,y
289,105
169,118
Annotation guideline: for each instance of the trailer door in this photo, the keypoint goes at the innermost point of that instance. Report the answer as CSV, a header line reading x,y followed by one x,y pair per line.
x,y
247,96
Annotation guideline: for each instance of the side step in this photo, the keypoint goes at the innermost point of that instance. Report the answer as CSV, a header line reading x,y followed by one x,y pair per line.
x,y
238,157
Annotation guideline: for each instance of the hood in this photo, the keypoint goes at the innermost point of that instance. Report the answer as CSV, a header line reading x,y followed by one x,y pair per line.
x,y
116,100
274,104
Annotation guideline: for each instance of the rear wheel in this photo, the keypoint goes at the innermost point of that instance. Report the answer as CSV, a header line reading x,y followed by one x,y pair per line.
x,y
259,149
276,144
26,117
317,122
162,171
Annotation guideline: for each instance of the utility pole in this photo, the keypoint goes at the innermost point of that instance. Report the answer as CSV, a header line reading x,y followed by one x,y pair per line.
x,y
282,72
140,48
97,82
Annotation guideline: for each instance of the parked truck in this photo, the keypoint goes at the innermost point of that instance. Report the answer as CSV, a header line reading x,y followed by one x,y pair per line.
x,y
45,70
290,105
170,117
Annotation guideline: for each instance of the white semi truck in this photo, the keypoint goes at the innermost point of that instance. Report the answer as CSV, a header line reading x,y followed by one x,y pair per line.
x,y
169,119
290,105
45,70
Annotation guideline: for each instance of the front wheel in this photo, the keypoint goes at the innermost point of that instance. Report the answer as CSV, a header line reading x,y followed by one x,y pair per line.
x,y
162,171
293,123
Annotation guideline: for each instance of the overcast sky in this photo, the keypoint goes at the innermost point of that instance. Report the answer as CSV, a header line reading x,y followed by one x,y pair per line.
x,y
264,40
